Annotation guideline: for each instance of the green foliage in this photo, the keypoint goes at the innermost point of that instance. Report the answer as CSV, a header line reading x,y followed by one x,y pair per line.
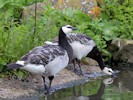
x,y
17,39
13,8
115,21
121,13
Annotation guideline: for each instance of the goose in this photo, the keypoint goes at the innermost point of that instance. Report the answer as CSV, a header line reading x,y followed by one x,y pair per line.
x,y
84,46
48,60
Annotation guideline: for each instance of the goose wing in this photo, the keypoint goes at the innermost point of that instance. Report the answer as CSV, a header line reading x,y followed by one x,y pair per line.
x,y
43,54
25,57
82,38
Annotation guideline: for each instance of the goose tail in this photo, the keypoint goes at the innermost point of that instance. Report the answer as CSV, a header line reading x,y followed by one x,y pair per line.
x,y
18,64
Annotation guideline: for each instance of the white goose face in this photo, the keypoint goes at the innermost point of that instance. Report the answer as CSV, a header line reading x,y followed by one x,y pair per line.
x,y
108,71
68,29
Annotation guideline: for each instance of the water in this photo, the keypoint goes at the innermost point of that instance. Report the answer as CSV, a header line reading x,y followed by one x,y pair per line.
x,y
99,88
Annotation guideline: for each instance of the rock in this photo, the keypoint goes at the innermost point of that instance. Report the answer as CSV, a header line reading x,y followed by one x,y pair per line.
x,y
84,5
16,88
87,6
89,61
122,50
29,11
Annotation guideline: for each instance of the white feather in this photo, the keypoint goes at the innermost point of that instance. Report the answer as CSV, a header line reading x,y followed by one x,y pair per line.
x,y
20,62
50,43
81,50
33,68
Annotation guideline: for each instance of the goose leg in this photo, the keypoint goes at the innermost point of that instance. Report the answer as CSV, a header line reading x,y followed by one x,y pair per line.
x,y
45,86
74,65
50,79
79,64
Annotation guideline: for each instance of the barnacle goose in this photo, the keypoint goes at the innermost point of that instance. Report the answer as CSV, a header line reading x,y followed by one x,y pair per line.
x,y
48,60
84,46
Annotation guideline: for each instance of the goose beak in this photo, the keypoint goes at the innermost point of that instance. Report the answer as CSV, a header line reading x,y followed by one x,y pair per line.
x,y
73,28
113,74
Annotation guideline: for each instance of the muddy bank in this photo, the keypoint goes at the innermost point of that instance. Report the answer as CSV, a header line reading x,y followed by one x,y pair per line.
x,y
16,88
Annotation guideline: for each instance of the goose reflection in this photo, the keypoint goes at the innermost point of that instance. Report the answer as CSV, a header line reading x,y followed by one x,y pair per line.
x,y
97,96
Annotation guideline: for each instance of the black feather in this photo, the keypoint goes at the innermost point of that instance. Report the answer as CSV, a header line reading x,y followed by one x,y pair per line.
x,y
13,65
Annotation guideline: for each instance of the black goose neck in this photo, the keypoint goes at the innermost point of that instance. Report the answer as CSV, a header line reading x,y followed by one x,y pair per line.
x,y
100,62
96,55
62,38
65,45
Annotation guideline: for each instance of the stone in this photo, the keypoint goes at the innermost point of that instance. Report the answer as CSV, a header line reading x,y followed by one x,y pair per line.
x,y
29,11
15,88
89,61
122,50
87,6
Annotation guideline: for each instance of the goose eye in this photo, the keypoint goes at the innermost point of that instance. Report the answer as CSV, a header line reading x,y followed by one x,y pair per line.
x,y
69,27
109,71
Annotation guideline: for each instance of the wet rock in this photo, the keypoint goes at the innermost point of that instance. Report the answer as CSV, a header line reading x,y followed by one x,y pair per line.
x,y
122,50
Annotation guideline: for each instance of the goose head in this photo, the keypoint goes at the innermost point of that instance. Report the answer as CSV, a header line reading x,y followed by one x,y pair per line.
x,y
108,71
68,29
96,55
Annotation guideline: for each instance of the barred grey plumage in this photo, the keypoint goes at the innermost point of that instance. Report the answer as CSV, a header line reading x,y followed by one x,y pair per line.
x,y
43,54
48,60
84,46
82,38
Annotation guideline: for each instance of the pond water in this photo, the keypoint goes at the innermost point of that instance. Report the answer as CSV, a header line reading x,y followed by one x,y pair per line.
x,y
99,88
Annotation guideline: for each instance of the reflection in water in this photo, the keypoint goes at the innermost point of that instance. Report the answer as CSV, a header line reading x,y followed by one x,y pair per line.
x,y
124,81
73,94
97,96
119,88
102,88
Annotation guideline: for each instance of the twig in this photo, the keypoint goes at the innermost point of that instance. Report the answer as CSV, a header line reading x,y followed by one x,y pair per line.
x,y
35,17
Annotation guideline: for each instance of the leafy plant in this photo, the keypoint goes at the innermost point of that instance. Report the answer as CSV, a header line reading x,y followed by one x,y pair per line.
x,y
13,8
17,39
120,11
